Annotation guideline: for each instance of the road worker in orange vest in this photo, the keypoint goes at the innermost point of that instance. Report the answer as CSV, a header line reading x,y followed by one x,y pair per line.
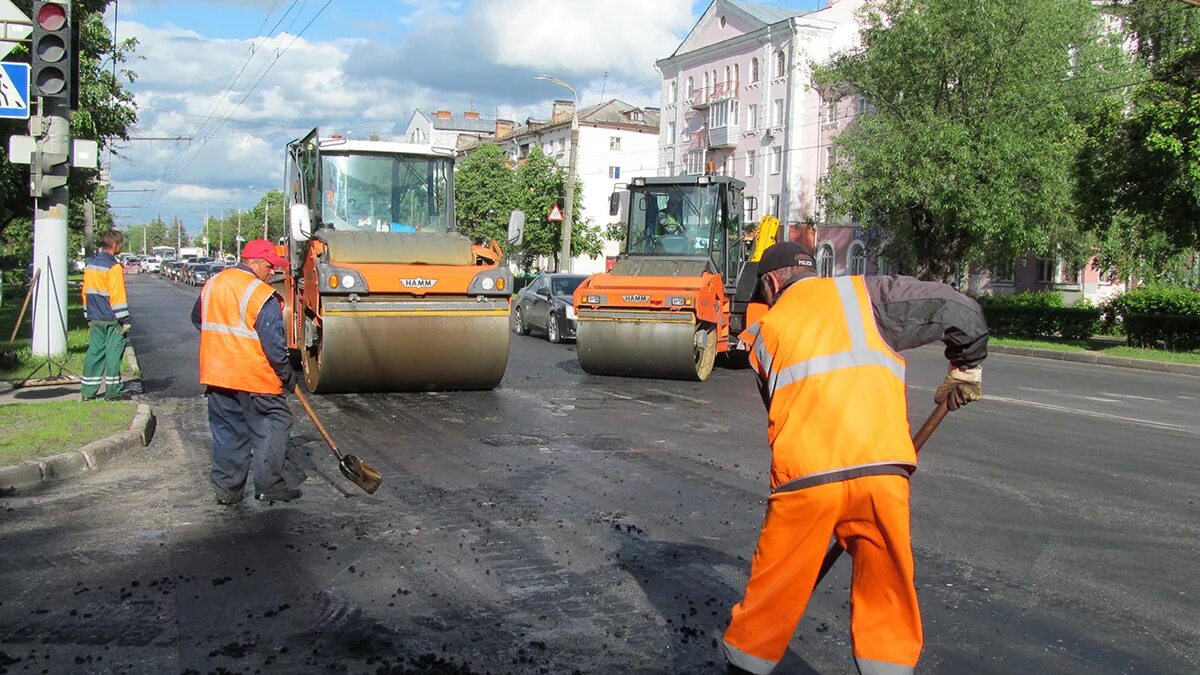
x,y
826,358
244,365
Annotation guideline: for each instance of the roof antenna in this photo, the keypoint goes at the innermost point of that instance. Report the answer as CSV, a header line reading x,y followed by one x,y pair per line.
x,y
604,87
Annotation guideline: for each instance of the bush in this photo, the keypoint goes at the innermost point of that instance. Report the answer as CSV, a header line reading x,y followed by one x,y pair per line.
x,y
1074,324
1027,299
1158,316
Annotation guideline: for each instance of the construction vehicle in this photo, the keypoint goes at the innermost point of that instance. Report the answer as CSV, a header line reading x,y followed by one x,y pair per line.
x,y
383,292
678,295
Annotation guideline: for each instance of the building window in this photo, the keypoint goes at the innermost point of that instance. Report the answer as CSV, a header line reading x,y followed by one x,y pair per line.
x,y
752,116
673,92
825,260
728,75
776,160
722,21
1069,275
737,75
1045,270
614,142
777,113
670,168
863,105
773,206
1003,271
831,112
751,156
670,133
856,259
705,84
614,172
691,88
733,112
830,159
780,63
695,163
635,115
754,70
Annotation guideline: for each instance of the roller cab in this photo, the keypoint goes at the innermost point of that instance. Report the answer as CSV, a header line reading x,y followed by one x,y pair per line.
x,y
671,302
384,294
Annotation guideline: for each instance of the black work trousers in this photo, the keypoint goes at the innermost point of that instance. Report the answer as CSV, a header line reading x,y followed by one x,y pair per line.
x,y
250,431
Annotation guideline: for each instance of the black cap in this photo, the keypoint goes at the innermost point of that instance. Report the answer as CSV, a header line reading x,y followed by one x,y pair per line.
x,y
785,254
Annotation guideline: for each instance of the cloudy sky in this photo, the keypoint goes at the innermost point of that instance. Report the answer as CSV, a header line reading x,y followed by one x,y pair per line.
x,y
243,77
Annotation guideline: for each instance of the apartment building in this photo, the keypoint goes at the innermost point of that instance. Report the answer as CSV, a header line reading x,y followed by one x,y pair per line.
x,y
445,129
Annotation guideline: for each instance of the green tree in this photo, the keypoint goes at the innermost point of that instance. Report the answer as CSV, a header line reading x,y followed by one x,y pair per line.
x,y
541,184
977,111
485,193
252,221
1141,166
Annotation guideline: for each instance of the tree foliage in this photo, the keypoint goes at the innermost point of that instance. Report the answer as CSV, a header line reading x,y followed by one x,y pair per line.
x,y
976,116
487,190
1141,167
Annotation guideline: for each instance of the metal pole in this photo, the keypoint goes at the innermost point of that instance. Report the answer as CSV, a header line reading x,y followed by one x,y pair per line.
x,y
50,237
266,210
568,217
89,229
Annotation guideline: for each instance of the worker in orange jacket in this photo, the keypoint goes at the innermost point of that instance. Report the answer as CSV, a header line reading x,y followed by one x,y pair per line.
x,y
106,309
828,369
244,365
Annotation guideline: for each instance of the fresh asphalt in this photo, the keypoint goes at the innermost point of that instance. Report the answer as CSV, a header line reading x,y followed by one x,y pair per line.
x,y
566,522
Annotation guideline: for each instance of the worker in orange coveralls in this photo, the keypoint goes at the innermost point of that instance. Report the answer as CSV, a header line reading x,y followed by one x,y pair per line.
x,y
829,373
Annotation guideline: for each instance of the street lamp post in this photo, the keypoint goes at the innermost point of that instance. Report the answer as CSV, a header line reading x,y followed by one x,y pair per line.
x,y
569,210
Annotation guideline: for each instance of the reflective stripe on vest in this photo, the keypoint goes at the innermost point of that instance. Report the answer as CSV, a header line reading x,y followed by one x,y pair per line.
x,y
817,365
231,353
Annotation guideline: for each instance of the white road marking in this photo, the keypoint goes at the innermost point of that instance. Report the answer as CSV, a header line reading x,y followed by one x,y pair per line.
x,y
1091,413
1131,396
628,398
679,396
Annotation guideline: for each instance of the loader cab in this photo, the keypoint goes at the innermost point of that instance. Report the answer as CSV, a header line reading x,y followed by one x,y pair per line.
x,y
686,216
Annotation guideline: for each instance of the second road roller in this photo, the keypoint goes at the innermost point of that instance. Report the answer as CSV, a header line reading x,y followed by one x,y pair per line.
x,y
384,293
678,295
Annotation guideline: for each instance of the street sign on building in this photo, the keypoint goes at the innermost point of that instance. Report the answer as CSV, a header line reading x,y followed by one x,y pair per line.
x,y
14,91
556,215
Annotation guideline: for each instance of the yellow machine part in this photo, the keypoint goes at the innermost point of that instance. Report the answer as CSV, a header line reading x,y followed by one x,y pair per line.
x,y
669,345
767,235
394,346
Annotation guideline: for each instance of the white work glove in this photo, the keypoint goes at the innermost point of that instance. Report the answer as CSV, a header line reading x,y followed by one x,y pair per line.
x,y
960,387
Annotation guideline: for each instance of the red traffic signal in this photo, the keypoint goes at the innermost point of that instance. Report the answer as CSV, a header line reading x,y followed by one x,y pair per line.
x,y
52,46
52,16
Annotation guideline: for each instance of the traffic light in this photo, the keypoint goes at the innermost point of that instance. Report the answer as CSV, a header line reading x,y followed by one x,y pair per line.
x,y
52,49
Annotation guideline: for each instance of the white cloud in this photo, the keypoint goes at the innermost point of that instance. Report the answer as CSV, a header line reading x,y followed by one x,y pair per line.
x,y
621,36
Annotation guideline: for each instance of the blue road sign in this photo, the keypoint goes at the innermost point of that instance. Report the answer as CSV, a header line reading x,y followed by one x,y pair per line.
x,y
14,91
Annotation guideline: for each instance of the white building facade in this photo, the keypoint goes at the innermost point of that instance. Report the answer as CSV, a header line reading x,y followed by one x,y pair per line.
x,y
617,142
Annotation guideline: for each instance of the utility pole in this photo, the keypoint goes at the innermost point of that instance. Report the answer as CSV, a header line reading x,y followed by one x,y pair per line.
x,y
569,211
266,210
89,229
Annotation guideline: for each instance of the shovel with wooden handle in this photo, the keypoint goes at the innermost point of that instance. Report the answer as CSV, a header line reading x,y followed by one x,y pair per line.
x,y
354,469
8,358
922,435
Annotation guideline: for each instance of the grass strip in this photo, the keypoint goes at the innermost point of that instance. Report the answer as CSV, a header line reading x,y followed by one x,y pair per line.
x,y
27,363
34,430
1120,351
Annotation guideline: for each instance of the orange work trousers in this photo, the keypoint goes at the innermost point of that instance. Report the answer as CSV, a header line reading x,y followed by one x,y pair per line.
x,y
870,518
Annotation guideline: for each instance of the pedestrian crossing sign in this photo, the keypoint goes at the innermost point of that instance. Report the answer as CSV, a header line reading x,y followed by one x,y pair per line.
x,y
14,91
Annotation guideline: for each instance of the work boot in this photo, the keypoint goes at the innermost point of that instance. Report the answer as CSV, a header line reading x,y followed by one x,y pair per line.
x,y
228,500
280,495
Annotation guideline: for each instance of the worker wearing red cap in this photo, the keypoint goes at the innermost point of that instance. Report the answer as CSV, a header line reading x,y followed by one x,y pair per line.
x,y
244,365
826,357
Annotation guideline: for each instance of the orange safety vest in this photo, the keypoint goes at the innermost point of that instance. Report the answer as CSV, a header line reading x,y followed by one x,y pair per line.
x,y
231,355
834,389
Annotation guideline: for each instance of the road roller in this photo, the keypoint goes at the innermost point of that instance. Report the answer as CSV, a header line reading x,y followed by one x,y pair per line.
x,y
384,293
678,295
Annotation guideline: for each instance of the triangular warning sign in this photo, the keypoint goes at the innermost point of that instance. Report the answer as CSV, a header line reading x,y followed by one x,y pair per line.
x,y
555,215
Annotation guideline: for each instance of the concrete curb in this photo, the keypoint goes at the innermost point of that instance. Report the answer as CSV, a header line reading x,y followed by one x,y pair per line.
x,y
1099,359
91,457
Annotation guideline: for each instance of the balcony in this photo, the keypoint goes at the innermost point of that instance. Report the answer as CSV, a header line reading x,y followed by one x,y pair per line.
x,y
701,97
723,137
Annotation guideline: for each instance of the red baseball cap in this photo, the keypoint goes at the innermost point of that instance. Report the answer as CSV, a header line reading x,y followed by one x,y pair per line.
x,y
264,250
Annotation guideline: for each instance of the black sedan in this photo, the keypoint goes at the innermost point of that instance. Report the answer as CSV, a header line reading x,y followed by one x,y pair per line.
x,y
546,305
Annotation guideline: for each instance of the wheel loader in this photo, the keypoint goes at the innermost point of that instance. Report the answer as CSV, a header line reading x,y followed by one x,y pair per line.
x,y
383,292
677,297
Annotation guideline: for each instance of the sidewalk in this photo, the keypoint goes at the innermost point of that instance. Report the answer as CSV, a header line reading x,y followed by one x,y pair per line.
x,y
33,473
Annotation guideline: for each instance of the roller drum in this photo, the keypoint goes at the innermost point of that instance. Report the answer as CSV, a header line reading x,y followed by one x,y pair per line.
x,y
644,347
408,353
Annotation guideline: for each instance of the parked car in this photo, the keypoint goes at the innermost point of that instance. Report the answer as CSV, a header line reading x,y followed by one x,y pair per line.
x,y
189,270
152,264
170,269
546,305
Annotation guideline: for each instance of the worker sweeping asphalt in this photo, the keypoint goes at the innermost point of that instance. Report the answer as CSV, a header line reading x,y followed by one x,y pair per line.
x,y
833,384
244,364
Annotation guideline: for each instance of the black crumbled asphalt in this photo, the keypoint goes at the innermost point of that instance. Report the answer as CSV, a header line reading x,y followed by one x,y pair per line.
x,y
567,523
